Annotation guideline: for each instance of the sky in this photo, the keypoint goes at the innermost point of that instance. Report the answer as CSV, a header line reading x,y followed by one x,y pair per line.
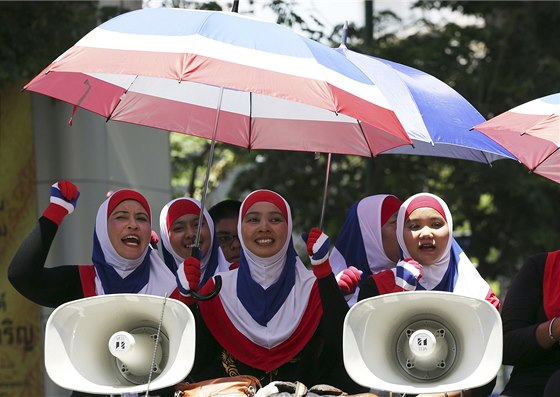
x,y
335,12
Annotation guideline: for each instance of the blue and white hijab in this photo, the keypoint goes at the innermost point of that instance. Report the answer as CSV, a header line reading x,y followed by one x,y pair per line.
x,y
212,261
360,242
146,274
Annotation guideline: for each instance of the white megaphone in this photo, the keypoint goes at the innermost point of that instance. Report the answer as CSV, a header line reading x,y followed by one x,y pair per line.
x,y
422,342
120,343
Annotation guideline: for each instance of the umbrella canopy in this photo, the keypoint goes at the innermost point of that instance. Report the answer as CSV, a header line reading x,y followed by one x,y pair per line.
x,y
223,76
531,131
435,116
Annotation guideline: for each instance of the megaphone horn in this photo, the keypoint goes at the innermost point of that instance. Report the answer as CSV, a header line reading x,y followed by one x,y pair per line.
x,y
422,342
120,343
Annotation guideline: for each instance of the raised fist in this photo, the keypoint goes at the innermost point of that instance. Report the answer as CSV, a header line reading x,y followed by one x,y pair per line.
x,y
318,244
63,200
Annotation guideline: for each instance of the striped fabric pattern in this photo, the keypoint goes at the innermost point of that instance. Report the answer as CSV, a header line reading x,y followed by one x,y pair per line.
x,y
275,89
531,131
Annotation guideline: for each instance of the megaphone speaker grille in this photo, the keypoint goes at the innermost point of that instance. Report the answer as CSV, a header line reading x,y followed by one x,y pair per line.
x,y
426,349
134,363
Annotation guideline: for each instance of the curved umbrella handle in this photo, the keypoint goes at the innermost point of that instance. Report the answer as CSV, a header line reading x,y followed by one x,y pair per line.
x,y
211,294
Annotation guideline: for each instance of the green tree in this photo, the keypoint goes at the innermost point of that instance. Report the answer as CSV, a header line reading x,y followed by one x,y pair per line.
x,y
30,37
508,58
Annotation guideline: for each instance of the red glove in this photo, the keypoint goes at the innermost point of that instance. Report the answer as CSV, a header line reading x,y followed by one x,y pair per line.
x,y
154,239
348,280
64,197
188,276
318,244
404,277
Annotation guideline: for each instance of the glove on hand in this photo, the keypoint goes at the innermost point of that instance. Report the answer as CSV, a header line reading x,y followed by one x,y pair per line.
x,y
188,276
64,197
348,280
318,244
407,274
154,239
318,250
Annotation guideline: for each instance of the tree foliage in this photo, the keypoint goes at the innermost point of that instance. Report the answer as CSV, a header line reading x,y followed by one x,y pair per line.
x,y
509,57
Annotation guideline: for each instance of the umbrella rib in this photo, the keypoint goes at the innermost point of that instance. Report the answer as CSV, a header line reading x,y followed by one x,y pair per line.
x,y
365,138
250,120
120,99
541,162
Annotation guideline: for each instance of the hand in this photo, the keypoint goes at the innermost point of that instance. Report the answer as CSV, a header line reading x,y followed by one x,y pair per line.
x,y
407,274
318,244
64,197
188,276
154,239
348,279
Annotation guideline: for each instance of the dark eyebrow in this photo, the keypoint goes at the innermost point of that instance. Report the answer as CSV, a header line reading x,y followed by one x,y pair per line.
x,y
432,218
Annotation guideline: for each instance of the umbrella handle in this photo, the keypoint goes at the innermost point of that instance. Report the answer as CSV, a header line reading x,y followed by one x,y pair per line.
x,y
211,294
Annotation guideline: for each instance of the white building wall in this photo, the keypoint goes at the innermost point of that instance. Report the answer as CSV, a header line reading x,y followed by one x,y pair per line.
x,y
97,156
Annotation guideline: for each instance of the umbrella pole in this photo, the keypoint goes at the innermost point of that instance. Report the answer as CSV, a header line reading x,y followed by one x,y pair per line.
x,y
208,166
325,192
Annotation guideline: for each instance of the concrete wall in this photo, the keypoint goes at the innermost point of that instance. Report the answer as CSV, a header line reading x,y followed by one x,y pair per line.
x,y
97,156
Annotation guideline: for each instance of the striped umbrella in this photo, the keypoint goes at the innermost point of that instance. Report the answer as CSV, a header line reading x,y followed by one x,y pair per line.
x,y
224,77
179,69
531,132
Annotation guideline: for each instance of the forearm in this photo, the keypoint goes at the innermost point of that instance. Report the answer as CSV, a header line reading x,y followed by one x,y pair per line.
x,y
547,333
29,261
27,274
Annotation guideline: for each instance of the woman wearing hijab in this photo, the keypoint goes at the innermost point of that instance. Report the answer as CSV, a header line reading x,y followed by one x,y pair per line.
x,y
273,318
123,259
178,226
433,259
368,239
532,329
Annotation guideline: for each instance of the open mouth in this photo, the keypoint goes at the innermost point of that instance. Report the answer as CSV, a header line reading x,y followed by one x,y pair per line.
x,y
131,240
427,246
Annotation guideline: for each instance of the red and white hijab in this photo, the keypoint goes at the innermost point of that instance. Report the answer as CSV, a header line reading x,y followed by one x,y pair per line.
x,y
268,308
212,261
454,272
115,274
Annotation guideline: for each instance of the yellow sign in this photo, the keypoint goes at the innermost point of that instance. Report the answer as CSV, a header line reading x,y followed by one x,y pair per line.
x,y
21,369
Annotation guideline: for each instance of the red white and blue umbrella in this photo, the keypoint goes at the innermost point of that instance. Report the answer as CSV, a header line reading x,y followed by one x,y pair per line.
x,y
531,132
223,76
436,117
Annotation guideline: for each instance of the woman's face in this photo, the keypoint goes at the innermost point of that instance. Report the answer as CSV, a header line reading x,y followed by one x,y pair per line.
x,y
129,229
182,235
426,234
264,229
389,238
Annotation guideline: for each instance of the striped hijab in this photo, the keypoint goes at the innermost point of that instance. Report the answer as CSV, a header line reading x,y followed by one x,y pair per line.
x,y
115,274
212,261
453,272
